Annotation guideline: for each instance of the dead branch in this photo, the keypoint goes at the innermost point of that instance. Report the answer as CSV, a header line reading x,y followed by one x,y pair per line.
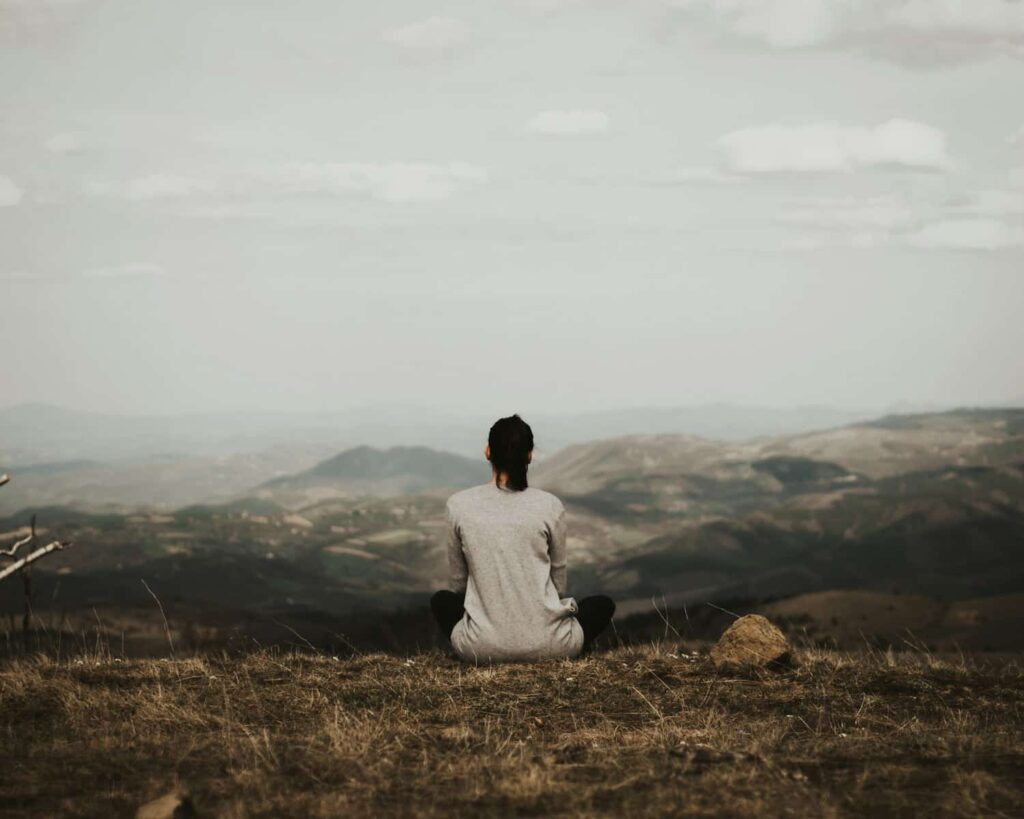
x,y
42,551
30,538
18,544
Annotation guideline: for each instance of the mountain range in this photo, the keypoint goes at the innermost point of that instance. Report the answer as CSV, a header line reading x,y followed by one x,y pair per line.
x,y
120,463
365,470
920,504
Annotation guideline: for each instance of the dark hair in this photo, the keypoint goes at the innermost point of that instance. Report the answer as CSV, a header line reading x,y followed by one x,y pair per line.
x,y
510,442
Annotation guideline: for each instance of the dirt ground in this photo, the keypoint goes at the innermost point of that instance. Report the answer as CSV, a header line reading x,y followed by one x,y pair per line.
x,y
638,731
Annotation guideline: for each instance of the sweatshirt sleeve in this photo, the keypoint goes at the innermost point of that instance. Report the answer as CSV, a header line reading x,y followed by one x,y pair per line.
x,y
556,551
458,571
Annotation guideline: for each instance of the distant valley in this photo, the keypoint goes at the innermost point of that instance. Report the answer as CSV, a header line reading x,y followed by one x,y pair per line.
x,y
121,463
913,507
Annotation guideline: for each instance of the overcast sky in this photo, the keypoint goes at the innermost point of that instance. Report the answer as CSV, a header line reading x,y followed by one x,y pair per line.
x,y
510,206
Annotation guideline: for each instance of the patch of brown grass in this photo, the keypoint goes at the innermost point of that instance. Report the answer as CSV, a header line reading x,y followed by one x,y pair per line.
x,y
288,734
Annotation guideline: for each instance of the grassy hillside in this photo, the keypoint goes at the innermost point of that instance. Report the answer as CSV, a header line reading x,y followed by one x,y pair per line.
x,y
883,448
932,504
679,519
643,731
368,471
853,617
160,482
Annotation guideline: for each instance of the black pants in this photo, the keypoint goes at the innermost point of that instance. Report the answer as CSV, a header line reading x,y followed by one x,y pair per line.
x,y
595,613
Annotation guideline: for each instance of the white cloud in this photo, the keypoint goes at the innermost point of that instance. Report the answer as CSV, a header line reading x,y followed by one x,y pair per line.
x,y
1018,137
254,189
38,19
124,270
64,144
847,221
979,220
573,121
997,19
703,175
433,34
967,234
778,23
829,147
10,194
896,26
992,202
551,6
389,182
804,243
158,186
851,213
154,186
983,220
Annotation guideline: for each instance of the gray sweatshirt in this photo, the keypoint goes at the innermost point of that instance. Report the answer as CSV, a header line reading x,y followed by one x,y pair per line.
x,y
506,550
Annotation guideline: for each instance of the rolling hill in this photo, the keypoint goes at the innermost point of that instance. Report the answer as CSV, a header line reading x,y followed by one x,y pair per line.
x,y
161,483
368,471
925,505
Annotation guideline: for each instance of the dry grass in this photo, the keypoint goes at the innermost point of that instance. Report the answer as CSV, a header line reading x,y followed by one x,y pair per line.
x,y
287,734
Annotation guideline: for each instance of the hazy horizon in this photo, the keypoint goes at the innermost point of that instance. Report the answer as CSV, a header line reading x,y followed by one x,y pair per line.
x,y
40,434
897,407
538,206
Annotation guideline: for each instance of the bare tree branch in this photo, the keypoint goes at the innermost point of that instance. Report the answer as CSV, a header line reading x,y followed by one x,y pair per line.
x,y
30,538
10,552
5,478
7,571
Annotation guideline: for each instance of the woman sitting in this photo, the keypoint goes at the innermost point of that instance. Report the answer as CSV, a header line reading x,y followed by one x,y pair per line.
x,y
507,561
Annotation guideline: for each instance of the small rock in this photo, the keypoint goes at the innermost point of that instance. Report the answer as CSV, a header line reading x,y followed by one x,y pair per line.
x,y
174,805
750,642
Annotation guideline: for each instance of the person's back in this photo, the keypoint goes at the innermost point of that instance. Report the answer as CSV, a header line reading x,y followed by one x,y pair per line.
x,y
507,562
506,549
